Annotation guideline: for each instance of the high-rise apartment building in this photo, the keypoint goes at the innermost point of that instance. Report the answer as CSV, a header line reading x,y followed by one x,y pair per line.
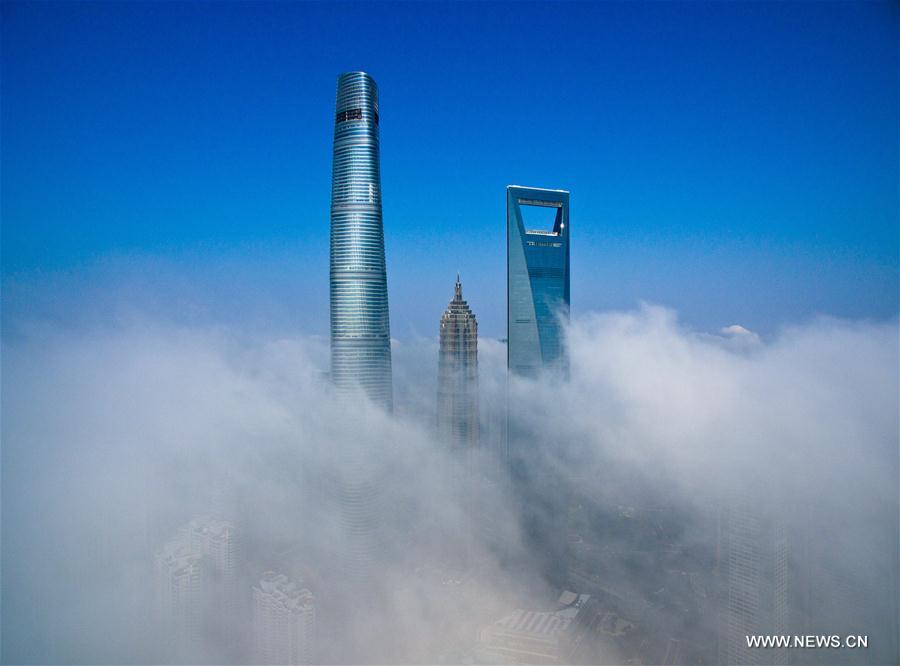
x,y
457,416
537,281
284,621
196,590
215,539
179,600
360,327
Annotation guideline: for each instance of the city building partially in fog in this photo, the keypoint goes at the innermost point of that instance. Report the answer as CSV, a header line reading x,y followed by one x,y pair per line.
x,y
537,280
196,589
457,413
531,636
213,538
360,327
284,621
179,599
537,260
754,554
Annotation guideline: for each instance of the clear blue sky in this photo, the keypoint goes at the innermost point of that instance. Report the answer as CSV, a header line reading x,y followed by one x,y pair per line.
x,y
738,162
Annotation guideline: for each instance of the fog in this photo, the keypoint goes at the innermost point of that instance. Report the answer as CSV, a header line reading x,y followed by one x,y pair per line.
x,y
118,432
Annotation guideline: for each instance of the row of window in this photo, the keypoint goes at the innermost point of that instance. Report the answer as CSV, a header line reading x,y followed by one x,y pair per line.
x,y
349,114
352,114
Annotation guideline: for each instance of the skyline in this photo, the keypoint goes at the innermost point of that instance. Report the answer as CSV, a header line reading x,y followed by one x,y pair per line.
x,y
683,457
736,168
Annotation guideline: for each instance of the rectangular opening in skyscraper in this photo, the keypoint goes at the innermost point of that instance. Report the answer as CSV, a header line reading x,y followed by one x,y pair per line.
x,y
540,218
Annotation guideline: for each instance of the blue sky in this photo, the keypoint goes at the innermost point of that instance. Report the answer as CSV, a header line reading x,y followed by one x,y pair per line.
x,y
737,162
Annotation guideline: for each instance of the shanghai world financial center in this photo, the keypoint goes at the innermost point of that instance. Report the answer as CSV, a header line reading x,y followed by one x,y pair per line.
x,y
537,281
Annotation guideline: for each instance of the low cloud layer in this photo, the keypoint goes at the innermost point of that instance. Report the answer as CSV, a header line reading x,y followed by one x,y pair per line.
x,y
114,435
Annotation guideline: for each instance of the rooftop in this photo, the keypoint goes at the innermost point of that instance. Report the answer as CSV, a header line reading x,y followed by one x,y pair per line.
x,y
536,189
285,592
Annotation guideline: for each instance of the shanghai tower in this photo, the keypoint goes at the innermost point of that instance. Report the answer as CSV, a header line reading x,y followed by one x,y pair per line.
x,y
360,328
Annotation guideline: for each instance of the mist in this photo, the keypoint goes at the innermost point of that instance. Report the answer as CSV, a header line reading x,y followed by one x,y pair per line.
x,y
118,432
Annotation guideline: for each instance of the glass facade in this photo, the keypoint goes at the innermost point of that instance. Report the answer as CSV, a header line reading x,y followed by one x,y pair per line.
x,y
537,307
537,282
360,327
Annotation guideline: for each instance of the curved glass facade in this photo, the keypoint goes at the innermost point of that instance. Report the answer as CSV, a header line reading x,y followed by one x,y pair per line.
x,y
360,327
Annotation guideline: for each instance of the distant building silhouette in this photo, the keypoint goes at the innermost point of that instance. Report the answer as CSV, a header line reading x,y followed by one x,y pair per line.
x,y
179,600
755,566
195,589
532,636
215,539
284,621
457,415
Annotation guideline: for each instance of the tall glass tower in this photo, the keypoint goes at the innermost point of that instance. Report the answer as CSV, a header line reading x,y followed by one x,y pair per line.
x,y
360,328
537,305
537,281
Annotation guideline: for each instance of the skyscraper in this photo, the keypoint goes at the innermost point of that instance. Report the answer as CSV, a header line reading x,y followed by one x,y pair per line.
x,y
179,601
537,305
195,587
284,620
754,551
215,539
458,374
360,328
537,281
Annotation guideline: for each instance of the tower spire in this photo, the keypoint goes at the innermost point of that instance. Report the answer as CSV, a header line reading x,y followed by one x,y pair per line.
x,y
458,374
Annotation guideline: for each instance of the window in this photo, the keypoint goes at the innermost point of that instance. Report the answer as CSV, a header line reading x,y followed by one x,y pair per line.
x,y
350,114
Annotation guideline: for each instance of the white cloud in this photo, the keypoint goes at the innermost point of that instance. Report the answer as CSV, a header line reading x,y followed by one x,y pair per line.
x,y
115,433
